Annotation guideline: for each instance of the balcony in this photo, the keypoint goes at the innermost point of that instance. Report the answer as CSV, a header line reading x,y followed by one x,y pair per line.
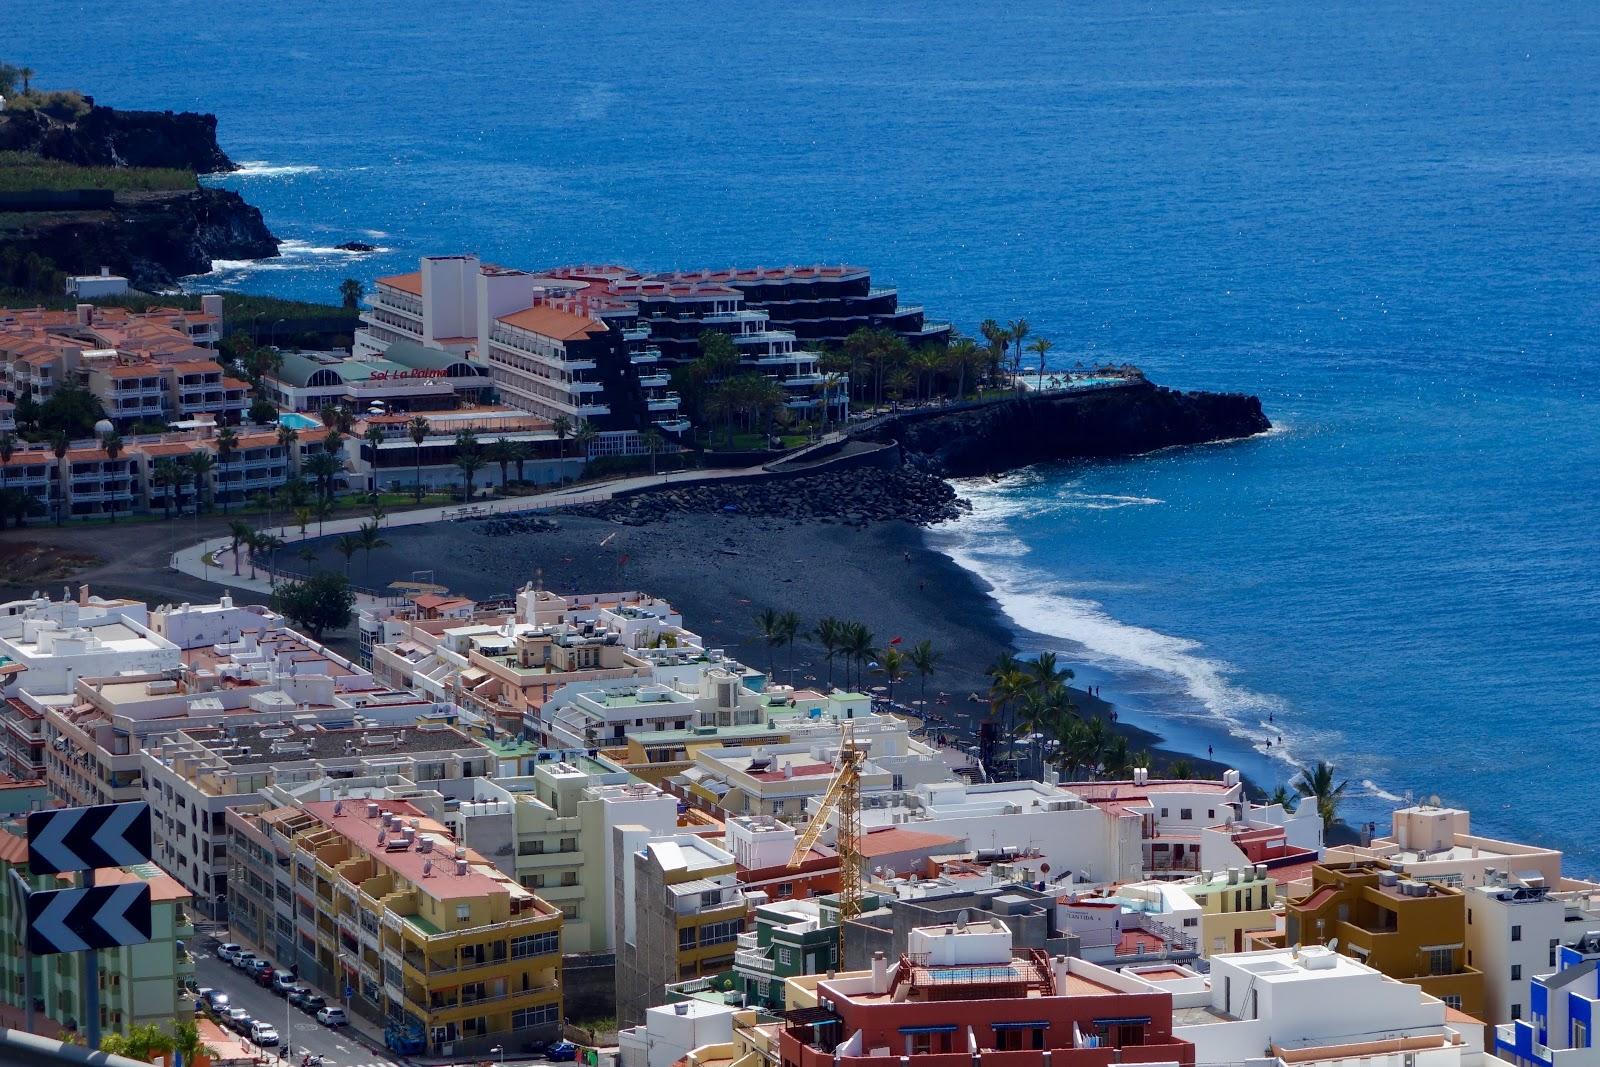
x,y
586,387
655,381
667,402
753,960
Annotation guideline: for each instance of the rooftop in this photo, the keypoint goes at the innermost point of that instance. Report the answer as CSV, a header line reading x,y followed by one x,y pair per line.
x,y
432,873
254,745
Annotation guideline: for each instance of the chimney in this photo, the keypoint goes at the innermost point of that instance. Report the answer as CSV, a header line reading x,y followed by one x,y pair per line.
x,y
880,973
83,595
1058,972
105,272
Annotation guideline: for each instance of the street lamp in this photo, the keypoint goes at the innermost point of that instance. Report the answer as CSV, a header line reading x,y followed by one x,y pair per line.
x,y
498,1052
272,333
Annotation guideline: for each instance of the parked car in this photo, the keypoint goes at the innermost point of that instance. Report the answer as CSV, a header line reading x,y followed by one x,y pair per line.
x,y
311,1003
216,1000
562,1052
238,1020
297,995
264,977
332,1015
243,960
226,952
263,1034
282,982
257,965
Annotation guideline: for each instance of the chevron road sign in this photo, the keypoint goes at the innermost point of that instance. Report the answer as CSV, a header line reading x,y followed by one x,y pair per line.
x,y
102,916
86,839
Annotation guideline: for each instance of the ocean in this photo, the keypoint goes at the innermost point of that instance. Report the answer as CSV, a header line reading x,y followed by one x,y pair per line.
x,y
1378,217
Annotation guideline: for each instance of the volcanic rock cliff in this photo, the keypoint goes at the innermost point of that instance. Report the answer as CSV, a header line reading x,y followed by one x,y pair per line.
x,y
1122,421
107,137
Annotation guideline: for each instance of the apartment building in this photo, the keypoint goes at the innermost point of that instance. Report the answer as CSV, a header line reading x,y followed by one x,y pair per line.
x,y
451,956
140,985
193,776
762,847
679,911
1311,1005
544,344
551,831
1432,843
963,991
786,938
1519,928
1410,930
408,377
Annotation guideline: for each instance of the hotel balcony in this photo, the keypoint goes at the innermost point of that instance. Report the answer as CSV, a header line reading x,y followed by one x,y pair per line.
x,y
655,381
586,387
637,334
798,381
679,425
669,402
649,355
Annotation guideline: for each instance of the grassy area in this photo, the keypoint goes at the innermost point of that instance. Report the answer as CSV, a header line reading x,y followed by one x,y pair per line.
x,y
25,172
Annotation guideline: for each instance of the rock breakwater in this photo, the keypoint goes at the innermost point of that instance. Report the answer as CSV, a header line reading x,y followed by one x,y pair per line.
x,y
855,497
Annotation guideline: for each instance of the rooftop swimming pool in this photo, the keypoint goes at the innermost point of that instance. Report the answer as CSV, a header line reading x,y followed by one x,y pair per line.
x,y
296,421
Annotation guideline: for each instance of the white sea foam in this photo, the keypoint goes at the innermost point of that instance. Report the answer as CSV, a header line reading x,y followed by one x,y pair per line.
x,y
1373,789
260,168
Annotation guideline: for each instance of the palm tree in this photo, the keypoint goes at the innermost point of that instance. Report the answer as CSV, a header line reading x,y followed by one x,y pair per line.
x,y
369,538
789,628
1044,672
417,430
924,660
653,444
239,532
858,647
374,437
201,464
302,518
323,467
829,633
347,546
60,445
26,74
350,292
287,436
1041,347
1319,782
8,448
1180,769
585,436
469,457
520,454
111,444
1282,797
1017,329
892,662
167,476
501,452
1118,760
187,1043
227,443
769,625
563,428
268,543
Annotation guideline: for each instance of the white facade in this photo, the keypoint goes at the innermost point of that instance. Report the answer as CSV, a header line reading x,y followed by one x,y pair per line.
x,y
1513,933
61,642
671,1031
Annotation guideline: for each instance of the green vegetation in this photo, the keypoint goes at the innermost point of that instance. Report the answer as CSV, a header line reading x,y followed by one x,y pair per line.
x,y
316,604
23,172
1318,781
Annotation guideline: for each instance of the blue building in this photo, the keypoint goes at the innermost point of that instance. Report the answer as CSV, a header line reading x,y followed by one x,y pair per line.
x,y
1559,1030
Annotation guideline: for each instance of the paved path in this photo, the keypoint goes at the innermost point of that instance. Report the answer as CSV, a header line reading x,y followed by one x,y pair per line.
x,y
191,559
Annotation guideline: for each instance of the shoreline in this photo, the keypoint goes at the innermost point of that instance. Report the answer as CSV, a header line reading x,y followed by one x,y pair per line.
x,y
720,570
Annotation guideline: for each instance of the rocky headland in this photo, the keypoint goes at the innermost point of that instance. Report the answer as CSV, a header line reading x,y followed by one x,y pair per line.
x,y
108,137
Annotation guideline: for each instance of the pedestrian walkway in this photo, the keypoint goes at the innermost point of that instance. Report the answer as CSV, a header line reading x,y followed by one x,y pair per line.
x,y
192,560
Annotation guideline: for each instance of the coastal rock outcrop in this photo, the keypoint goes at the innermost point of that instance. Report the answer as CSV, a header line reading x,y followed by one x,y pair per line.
x,y
108,137
1124,421
152,239
856,497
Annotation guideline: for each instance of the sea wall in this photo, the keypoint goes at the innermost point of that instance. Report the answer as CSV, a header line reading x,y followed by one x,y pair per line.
x,y
153,239
108,137
1040,428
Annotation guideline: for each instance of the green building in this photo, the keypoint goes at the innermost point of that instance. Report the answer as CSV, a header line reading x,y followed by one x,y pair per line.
x,y
789,938
139,984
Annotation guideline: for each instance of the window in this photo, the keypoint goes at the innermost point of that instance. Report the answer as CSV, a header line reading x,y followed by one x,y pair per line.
x,y
1452,1000
528,1018
1516,933
1469,916
686,937
1186,814
464,912
786,889
711,899
1163,813
1516,1012
785,957
1516,975
720,933
1553,943
1441,961
1191,921
534,945
1211,813
1580,1034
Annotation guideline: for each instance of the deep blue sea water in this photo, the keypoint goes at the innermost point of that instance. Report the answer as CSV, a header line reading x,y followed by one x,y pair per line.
x,y
1381,217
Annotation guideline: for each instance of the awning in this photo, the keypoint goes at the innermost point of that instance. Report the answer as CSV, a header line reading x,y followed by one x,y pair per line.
x,y
809,1016
1124,1020
1039,1024
946,1029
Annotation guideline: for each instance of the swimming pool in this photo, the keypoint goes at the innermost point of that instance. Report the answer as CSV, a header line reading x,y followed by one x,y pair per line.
x,y
296,421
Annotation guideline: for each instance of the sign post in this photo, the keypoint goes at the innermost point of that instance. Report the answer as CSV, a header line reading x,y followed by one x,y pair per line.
x,y
90,917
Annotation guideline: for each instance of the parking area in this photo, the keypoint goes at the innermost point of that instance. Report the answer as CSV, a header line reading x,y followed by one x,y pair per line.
x,y
297,1031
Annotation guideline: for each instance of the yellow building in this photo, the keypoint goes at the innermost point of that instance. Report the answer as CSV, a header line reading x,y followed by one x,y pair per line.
x,y
387,912
1233,905
1412,931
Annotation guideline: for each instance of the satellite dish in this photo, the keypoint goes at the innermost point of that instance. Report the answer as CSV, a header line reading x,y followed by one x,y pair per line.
x,y
1433,800
1333,946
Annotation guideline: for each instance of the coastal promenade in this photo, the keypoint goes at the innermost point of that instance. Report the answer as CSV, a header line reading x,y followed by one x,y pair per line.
x,y
192,560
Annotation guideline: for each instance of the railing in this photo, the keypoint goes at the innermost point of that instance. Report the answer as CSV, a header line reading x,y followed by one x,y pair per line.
x,y
753,961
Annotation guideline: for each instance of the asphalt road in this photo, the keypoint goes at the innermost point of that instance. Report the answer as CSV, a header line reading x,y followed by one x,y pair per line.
x,y
339,1048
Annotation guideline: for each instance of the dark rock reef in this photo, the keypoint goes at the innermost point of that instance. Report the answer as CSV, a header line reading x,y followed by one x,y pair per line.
x,y
107,137
1123,421
152,239
855,497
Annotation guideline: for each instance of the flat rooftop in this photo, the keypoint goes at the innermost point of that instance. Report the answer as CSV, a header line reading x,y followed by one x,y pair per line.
x,y
254,745
432,873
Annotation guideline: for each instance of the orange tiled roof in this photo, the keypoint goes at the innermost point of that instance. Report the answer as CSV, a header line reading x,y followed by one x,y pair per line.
x,y
408,283
553,322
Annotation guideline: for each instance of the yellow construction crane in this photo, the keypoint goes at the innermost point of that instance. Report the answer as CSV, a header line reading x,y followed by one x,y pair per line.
x,y
844,798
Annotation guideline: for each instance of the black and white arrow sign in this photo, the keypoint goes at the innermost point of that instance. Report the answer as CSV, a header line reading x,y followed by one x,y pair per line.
x,y
86,839
102,916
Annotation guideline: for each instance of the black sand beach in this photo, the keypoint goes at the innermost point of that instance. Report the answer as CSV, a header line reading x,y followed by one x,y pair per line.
x,y
721,570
